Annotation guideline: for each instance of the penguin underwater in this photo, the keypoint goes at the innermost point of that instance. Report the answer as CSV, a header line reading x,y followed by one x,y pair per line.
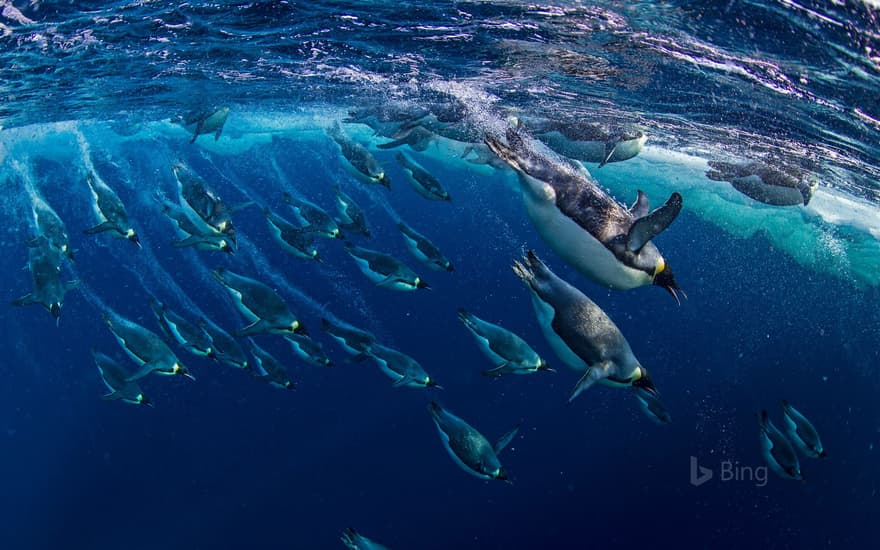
x,y
145,348
115,377
44,262
802,433
777,451
587,228
355,541
509,353
579,332
259,304
110,211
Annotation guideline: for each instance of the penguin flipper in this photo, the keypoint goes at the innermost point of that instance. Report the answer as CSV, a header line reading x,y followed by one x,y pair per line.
x,y
112,396
402,381
26,300
609,152
100,228
595,373
641,207
505,440
501,370
141,372
646,228
256,327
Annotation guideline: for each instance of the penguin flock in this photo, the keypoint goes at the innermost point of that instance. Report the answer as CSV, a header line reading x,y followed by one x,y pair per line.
x,y
609,244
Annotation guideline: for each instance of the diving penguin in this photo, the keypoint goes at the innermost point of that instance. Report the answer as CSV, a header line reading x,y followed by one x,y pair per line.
x,y
190,337
270,369
470,450
777,451
355,541
403,369
385,270
198,235
203,201
51,226
351,216
205,121
355,341
316,220
424,250
297,241
358,160
587,141
149,352
588,229
421,180
226,348
777,186
508,352
44,263
308,350
110,211
115,377
802,433
579,332
259,304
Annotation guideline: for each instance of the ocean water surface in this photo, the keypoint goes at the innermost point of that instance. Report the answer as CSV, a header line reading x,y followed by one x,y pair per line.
x,y
781,302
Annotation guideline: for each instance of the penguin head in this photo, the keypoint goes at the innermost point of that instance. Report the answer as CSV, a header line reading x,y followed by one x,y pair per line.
x,y
144,400
55,310
133,237
383,179
431,383
449,267
499,474
643,381
226,247
664,278
181,370
542,366
422,284
289,385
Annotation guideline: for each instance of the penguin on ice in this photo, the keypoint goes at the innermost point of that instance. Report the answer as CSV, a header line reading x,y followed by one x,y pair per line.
x,y
259,304
115,377
385,270
604,241
777,451
470,449
508,352
579,332
44,263
802,433
355,541
424,250
110,211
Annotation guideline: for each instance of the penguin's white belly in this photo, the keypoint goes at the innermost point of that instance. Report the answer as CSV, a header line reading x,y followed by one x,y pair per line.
x,y
239,304
777,195
545,315
484,346
380,279
579,248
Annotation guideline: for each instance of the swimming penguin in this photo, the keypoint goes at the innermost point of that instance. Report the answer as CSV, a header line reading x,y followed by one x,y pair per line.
x,y
202,201
190,337
226,348
401,368
44,263
351,216
316,220
586,141
802,433
259,304
355,541
424,250
270,369
469,448
587,228
115,377
110,211
777,451
359,161
355,341
308,350
508,352
579,332
650,404
384,270
198,235
417,137
206,121
297,241
423,182
50,225
149,352
784,186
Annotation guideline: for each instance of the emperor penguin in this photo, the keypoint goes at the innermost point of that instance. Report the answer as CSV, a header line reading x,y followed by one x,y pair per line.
x,y
587,228
424,250
351,216
509,353
204,202
297,241
259,304
149,352
204,121
361,164
44,263
777,186
777,451
308,350
314,218
385,270
270,369
470,449
650,404
801,432
353,340
196,234
587,141
193,338
421,180
110,211
225,347
50,225
401,368
115,377
579,332
355,541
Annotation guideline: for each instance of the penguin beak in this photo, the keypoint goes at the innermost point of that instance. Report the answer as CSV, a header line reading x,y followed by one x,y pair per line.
x,y
188,375
666,279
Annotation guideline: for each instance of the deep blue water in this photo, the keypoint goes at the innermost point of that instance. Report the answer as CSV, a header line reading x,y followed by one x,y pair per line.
x,y
783,303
